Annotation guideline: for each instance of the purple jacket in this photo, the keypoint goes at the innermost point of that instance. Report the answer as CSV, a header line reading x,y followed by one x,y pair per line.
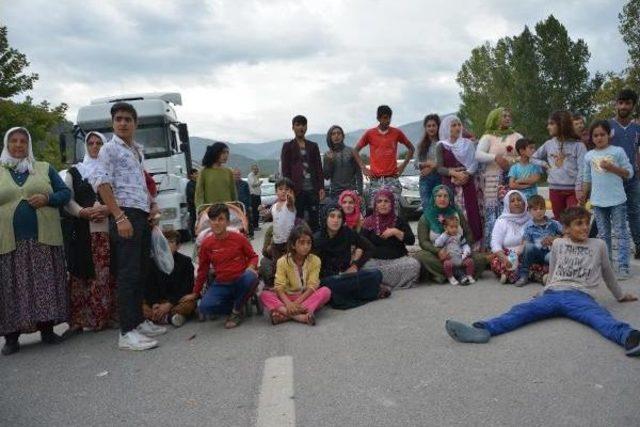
x,y
291,163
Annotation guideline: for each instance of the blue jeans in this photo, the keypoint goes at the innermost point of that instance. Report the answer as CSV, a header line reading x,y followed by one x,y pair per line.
x,y
614,217
532,255
351,290
575,305
632,189
427,184
221,298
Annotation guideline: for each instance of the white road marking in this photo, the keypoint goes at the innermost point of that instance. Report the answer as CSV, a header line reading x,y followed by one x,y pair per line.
x,y
276,405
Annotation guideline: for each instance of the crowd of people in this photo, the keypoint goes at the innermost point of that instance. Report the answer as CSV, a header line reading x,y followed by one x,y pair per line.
x,y
77,249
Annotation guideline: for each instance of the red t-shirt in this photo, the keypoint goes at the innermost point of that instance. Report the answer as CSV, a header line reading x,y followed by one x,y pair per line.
x,y
230,257
383,150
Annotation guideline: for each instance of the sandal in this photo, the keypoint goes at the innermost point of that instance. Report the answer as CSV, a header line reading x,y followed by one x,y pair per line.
x,y
233,320
384,292
311,319
277,317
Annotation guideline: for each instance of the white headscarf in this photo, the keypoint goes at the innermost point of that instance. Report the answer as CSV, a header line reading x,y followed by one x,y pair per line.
x,y
89,165
463,149
518,219
19,165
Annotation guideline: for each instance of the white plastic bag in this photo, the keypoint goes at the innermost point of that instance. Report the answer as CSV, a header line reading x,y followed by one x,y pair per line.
x,y
160,251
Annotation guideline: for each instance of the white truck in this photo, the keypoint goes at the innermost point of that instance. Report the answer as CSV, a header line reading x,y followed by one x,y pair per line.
x,y
166,147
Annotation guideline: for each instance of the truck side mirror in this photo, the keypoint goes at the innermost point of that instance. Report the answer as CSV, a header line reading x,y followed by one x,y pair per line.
x,y
183,132
62,141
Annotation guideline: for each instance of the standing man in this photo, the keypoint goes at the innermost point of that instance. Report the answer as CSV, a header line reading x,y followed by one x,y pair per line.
x,y
120,181
300,160
626,134
383,142
191,201
255,188
244,196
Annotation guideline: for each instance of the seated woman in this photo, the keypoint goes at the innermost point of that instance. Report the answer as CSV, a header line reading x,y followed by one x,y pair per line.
x,y
506,237
389,234
350,203
431,225
343,253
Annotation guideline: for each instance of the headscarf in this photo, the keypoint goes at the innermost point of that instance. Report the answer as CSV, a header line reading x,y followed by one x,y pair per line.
x,y
435,215
463,149
353,218
517,219
492,125
18,165
328,208
377,222
89,165
330,143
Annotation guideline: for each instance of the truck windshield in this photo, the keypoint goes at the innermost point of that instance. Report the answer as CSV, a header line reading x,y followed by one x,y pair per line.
x,y
152,137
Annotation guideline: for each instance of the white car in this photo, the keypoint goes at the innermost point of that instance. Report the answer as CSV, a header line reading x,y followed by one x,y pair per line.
x,y
410,202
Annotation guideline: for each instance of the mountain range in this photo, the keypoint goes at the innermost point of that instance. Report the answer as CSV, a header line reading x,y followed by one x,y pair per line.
x,y
267,154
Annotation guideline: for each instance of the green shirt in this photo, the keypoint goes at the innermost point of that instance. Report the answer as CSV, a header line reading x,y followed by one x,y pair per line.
x,y
215,185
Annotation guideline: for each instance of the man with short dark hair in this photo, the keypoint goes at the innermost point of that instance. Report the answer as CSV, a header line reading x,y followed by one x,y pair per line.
x,y
383,142
626,134
300,162
120,181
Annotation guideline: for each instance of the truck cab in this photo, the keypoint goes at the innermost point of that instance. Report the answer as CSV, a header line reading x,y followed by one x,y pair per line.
x,y
166,147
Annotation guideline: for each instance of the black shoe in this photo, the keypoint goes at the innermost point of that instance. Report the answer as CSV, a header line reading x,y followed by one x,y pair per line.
x,y
637,255
10,348
51,338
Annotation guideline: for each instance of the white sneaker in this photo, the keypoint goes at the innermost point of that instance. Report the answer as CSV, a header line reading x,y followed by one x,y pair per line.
x,y
471,280
178,320
133,340
452,280
150,329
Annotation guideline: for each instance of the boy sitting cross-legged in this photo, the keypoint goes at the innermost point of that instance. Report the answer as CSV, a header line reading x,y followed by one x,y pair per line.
x,y
578,265
234,263
539,234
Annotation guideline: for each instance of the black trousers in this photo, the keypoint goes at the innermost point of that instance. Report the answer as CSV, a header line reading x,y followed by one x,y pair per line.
x,y
131,257
309,202
255,214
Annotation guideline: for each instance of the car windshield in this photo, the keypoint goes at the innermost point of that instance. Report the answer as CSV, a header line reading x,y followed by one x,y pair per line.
x,y
268,189
152,137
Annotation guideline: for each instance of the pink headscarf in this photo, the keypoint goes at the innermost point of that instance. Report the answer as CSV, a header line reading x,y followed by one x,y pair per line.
x,y
353,218
377,222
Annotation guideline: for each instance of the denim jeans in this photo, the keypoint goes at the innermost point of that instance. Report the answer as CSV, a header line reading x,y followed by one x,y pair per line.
x,y
221,298
614,217
427,184
632,190
532,255
575,305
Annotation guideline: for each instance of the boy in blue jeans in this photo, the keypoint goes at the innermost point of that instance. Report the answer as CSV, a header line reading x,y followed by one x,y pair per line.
x,y
539,234
578,265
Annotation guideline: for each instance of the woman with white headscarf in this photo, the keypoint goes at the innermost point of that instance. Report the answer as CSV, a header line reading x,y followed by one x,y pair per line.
x,y
457,164
91,283
33,286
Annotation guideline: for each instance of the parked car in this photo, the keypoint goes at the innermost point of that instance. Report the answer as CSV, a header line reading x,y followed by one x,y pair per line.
x,y
410,205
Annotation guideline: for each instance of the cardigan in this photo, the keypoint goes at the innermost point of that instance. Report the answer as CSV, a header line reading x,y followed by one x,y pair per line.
x,y
291,164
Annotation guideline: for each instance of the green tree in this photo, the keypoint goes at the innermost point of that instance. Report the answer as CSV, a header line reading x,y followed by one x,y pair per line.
x,y
630,31
13,81
533,73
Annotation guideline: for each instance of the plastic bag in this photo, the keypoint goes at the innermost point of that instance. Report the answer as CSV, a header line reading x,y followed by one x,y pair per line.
x,y
160,251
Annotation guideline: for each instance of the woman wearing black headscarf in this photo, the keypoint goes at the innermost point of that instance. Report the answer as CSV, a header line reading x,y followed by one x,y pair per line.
x,y
339,165
343,253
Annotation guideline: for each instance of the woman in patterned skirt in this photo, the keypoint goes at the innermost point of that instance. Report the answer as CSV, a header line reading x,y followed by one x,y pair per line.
x,y
33,295
91,284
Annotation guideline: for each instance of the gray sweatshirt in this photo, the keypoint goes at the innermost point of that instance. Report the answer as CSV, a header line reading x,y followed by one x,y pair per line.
x,y
343,171
565,166
581,267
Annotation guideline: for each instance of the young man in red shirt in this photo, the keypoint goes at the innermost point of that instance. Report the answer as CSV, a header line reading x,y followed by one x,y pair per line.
x,y
383,151
235,265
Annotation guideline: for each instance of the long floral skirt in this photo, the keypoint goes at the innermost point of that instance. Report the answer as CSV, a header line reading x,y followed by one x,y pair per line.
x,y
33,287
94,301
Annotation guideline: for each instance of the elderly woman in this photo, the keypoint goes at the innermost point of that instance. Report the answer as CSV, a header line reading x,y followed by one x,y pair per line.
x,y
457,164
507,237
91,282
343,253
33,290
431,225
390,234
496,153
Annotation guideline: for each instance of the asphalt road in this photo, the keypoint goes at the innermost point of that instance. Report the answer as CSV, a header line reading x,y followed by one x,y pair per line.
x,y
389,363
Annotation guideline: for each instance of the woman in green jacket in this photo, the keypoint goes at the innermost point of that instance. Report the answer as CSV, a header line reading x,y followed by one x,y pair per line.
x,y
215,182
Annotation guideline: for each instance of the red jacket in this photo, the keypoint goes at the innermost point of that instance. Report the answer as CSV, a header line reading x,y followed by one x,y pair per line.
x,y
291,164
229,257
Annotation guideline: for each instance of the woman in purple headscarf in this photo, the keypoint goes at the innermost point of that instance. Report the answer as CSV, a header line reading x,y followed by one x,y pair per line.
x,y
390,234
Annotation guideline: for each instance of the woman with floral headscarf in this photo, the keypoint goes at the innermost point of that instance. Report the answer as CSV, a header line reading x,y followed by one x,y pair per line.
x,y
496,153
507,237
431,225
91,282
457,164
33,286
390,234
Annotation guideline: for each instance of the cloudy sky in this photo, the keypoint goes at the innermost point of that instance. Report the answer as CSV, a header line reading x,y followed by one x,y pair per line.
x,y
245,67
